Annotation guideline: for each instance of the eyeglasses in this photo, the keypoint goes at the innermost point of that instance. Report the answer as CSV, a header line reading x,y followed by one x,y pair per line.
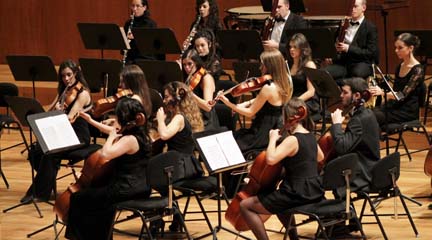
x,y
136,6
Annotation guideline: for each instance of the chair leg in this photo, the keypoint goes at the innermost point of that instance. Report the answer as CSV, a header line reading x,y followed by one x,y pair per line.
x,y
378,221
401,197
405,147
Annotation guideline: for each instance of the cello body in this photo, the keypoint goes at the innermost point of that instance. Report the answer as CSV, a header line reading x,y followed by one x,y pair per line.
x,y
261,176
96,172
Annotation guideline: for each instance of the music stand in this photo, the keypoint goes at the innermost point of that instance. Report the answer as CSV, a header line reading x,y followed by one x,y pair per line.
x,y
240,44
101,73
103,36
244,70
32,68
218,158
156,41
325,87
160,73
296,6
22,107
321,41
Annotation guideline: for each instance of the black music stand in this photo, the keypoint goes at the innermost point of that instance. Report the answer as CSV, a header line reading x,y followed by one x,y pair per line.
x,y
240,44
326,88
244,70
22,107
103,36
32,68
102,73
160,73
296,6
156,41
321,41
218,166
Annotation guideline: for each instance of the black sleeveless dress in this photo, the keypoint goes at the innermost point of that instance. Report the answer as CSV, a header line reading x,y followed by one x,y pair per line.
x,y
257,136
299,87
210,119
301,184
92,209
183,143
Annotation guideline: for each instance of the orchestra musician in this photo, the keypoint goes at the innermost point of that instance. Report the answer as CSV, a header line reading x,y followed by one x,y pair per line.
x,y
358,50
408,83
204,43
140,17
301,185
92,209
202,85
300,54
176,122
285,20
209,11
73,95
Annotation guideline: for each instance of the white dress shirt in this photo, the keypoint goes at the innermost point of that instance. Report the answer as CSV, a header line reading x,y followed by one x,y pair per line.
x,y
278,29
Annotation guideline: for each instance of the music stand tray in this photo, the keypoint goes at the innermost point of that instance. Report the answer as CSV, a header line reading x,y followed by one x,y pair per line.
x,y
104,36
32,68
160,73
156,41
101,73
54,132
321,41
240,44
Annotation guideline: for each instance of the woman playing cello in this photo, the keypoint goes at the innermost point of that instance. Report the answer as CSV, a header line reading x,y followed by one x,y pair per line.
x,y
301,185
92,209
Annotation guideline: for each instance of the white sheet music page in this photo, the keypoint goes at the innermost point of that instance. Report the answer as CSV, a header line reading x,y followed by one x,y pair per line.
x,y
230,148
57,132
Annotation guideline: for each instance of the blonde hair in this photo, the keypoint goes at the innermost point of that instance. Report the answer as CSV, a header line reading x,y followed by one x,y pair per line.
x,y
275,65
183,103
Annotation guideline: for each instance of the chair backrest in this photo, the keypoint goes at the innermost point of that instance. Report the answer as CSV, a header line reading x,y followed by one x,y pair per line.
x,y
381,176
333,172
7,89
156,100
156,175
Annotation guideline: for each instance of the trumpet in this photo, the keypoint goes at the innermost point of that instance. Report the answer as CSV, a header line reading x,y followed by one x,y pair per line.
x,y
129,31
189,38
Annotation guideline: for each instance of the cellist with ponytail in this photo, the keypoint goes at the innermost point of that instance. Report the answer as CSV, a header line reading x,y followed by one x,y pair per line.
x,y
298,153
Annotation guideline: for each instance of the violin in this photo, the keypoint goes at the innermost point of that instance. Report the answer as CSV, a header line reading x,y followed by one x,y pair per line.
x,y
68,96
248,85
195,79
269,22
261,176
105,105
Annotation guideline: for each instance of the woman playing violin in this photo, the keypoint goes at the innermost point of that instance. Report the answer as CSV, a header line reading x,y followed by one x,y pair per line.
x,y
301,185
267,106
92,209
202,85
73,96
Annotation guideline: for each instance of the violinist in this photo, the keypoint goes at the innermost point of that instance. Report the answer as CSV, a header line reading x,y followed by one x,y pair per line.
x,y
205,44
92,209
358,50
298,153
202,85
285,20
73,95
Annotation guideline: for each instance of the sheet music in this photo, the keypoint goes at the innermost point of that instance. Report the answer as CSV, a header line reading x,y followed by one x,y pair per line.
x,y
221,150
57,132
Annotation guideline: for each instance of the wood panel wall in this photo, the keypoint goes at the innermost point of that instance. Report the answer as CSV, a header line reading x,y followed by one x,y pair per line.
x,y
48,27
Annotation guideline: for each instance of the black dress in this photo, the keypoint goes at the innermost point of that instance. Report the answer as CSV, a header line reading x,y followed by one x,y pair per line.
x,y
183,143
413,87
210,119
47,166
92,209
257,136
300,87
301,184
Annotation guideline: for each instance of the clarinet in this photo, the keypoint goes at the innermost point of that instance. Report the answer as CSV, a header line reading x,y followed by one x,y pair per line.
x,y
125,51
189,38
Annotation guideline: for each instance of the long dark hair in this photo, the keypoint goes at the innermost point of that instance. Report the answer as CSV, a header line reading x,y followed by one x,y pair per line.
x,y
213,18
69,63
291,113
134,79
300,42
126,111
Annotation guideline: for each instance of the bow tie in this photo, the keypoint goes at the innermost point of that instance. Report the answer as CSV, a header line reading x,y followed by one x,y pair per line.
x,y
354,23
279,19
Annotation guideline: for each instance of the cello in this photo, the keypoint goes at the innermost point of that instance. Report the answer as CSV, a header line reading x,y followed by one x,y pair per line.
x,y
261,176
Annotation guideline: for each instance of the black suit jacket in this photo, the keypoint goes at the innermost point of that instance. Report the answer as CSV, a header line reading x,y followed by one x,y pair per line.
x,y
361,136
293,22
364,47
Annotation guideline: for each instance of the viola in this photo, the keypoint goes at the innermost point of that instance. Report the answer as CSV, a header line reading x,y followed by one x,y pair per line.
x,y
105,105
195,79
261,176
248,85
96,172
269,22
